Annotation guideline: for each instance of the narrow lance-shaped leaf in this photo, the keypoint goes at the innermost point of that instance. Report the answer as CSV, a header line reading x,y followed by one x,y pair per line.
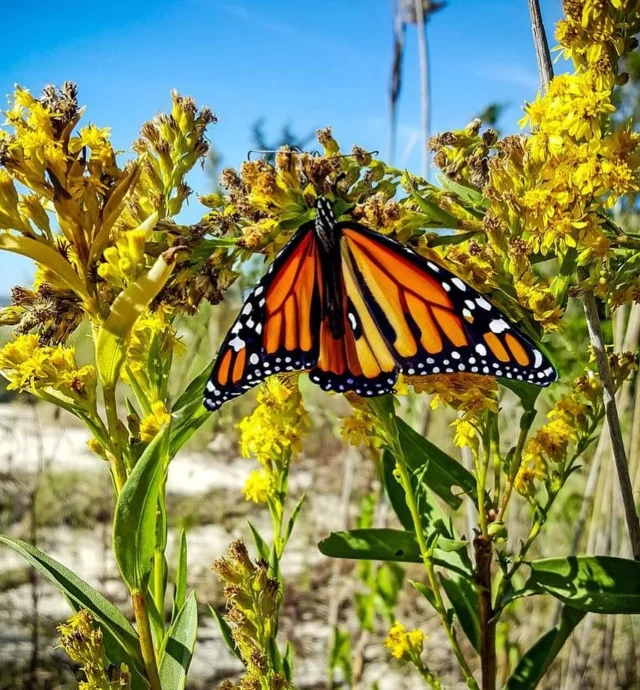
x,y
227,637
43,254
600,584
178,647
536,661
464,600
81,595
135,515
114,335
180,592
391,545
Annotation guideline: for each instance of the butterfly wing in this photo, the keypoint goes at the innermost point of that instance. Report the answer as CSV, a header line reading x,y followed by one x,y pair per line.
x,y
277,329
433,322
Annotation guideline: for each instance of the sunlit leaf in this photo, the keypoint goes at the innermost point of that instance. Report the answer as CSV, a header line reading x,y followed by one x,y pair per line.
x,y
134,524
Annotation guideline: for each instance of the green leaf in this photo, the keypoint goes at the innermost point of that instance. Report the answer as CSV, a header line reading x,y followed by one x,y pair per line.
x,y
185,422
180,591
386,545
468,194
443,473
294,517
134,523
261,545
178,646
227,637
431,515
527,392
156,619
600,584
287,662
82,595
195,390
426,593
464,600
340,653
535,662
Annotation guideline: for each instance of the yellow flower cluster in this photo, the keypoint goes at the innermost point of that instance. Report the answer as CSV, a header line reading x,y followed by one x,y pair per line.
x,y
277,425
272,434
570,423
594,33
82,640
260,486
253,601
469,394
154,339
151,424
572,168
360,429
29,366
405,644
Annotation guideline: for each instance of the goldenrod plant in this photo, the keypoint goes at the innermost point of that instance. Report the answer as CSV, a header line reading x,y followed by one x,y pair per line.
x,y
527,219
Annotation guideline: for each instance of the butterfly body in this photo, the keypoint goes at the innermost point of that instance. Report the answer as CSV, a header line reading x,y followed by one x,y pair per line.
x,y
356,309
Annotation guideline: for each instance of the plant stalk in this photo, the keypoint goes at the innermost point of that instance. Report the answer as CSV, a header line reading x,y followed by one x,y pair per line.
x,y
611,411
117,462
146,640
483,553
423,55
545,66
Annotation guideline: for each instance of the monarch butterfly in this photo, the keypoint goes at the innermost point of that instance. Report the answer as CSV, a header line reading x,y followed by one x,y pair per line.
x,y
355,309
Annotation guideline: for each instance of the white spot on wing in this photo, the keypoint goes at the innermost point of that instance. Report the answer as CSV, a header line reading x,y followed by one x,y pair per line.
x,y
499,325
537,359
237,344
481,350
482,302
459,284
254,359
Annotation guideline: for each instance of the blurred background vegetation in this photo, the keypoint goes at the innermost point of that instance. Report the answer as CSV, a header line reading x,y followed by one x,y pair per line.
x,y
53,494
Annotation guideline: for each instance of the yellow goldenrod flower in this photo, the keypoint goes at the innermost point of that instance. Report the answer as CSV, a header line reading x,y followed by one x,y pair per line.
x,y
359,429
82,640
260,486
466,434
151,424
253,601
277,425
405,644
28,366
470,394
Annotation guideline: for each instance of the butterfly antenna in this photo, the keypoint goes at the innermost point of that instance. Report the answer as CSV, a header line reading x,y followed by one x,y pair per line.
x,y
297,151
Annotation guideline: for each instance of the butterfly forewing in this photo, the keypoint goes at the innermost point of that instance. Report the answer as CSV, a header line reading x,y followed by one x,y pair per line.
x,y
277,329
433,322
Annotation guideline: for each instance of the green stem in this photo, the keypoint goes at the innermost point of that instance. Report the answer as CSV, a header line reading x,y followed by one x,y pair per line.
x,y
117,462
158,586
146,640
525,425
438,603
481,478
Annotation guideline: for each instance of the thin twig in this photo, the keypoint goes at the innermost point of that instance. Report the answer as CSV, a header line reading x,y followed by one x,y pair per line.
x,y
545,67
399,29
613,419
424,82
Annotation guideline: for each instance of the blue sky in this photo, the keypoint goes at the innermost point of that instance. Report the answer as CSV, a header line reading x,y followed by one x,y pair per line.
x,y
301,62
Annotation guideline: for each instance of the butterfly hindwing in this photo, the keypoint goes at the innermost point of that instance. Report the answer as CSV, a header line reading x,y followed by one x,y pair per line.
x,y
433,322
277,328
